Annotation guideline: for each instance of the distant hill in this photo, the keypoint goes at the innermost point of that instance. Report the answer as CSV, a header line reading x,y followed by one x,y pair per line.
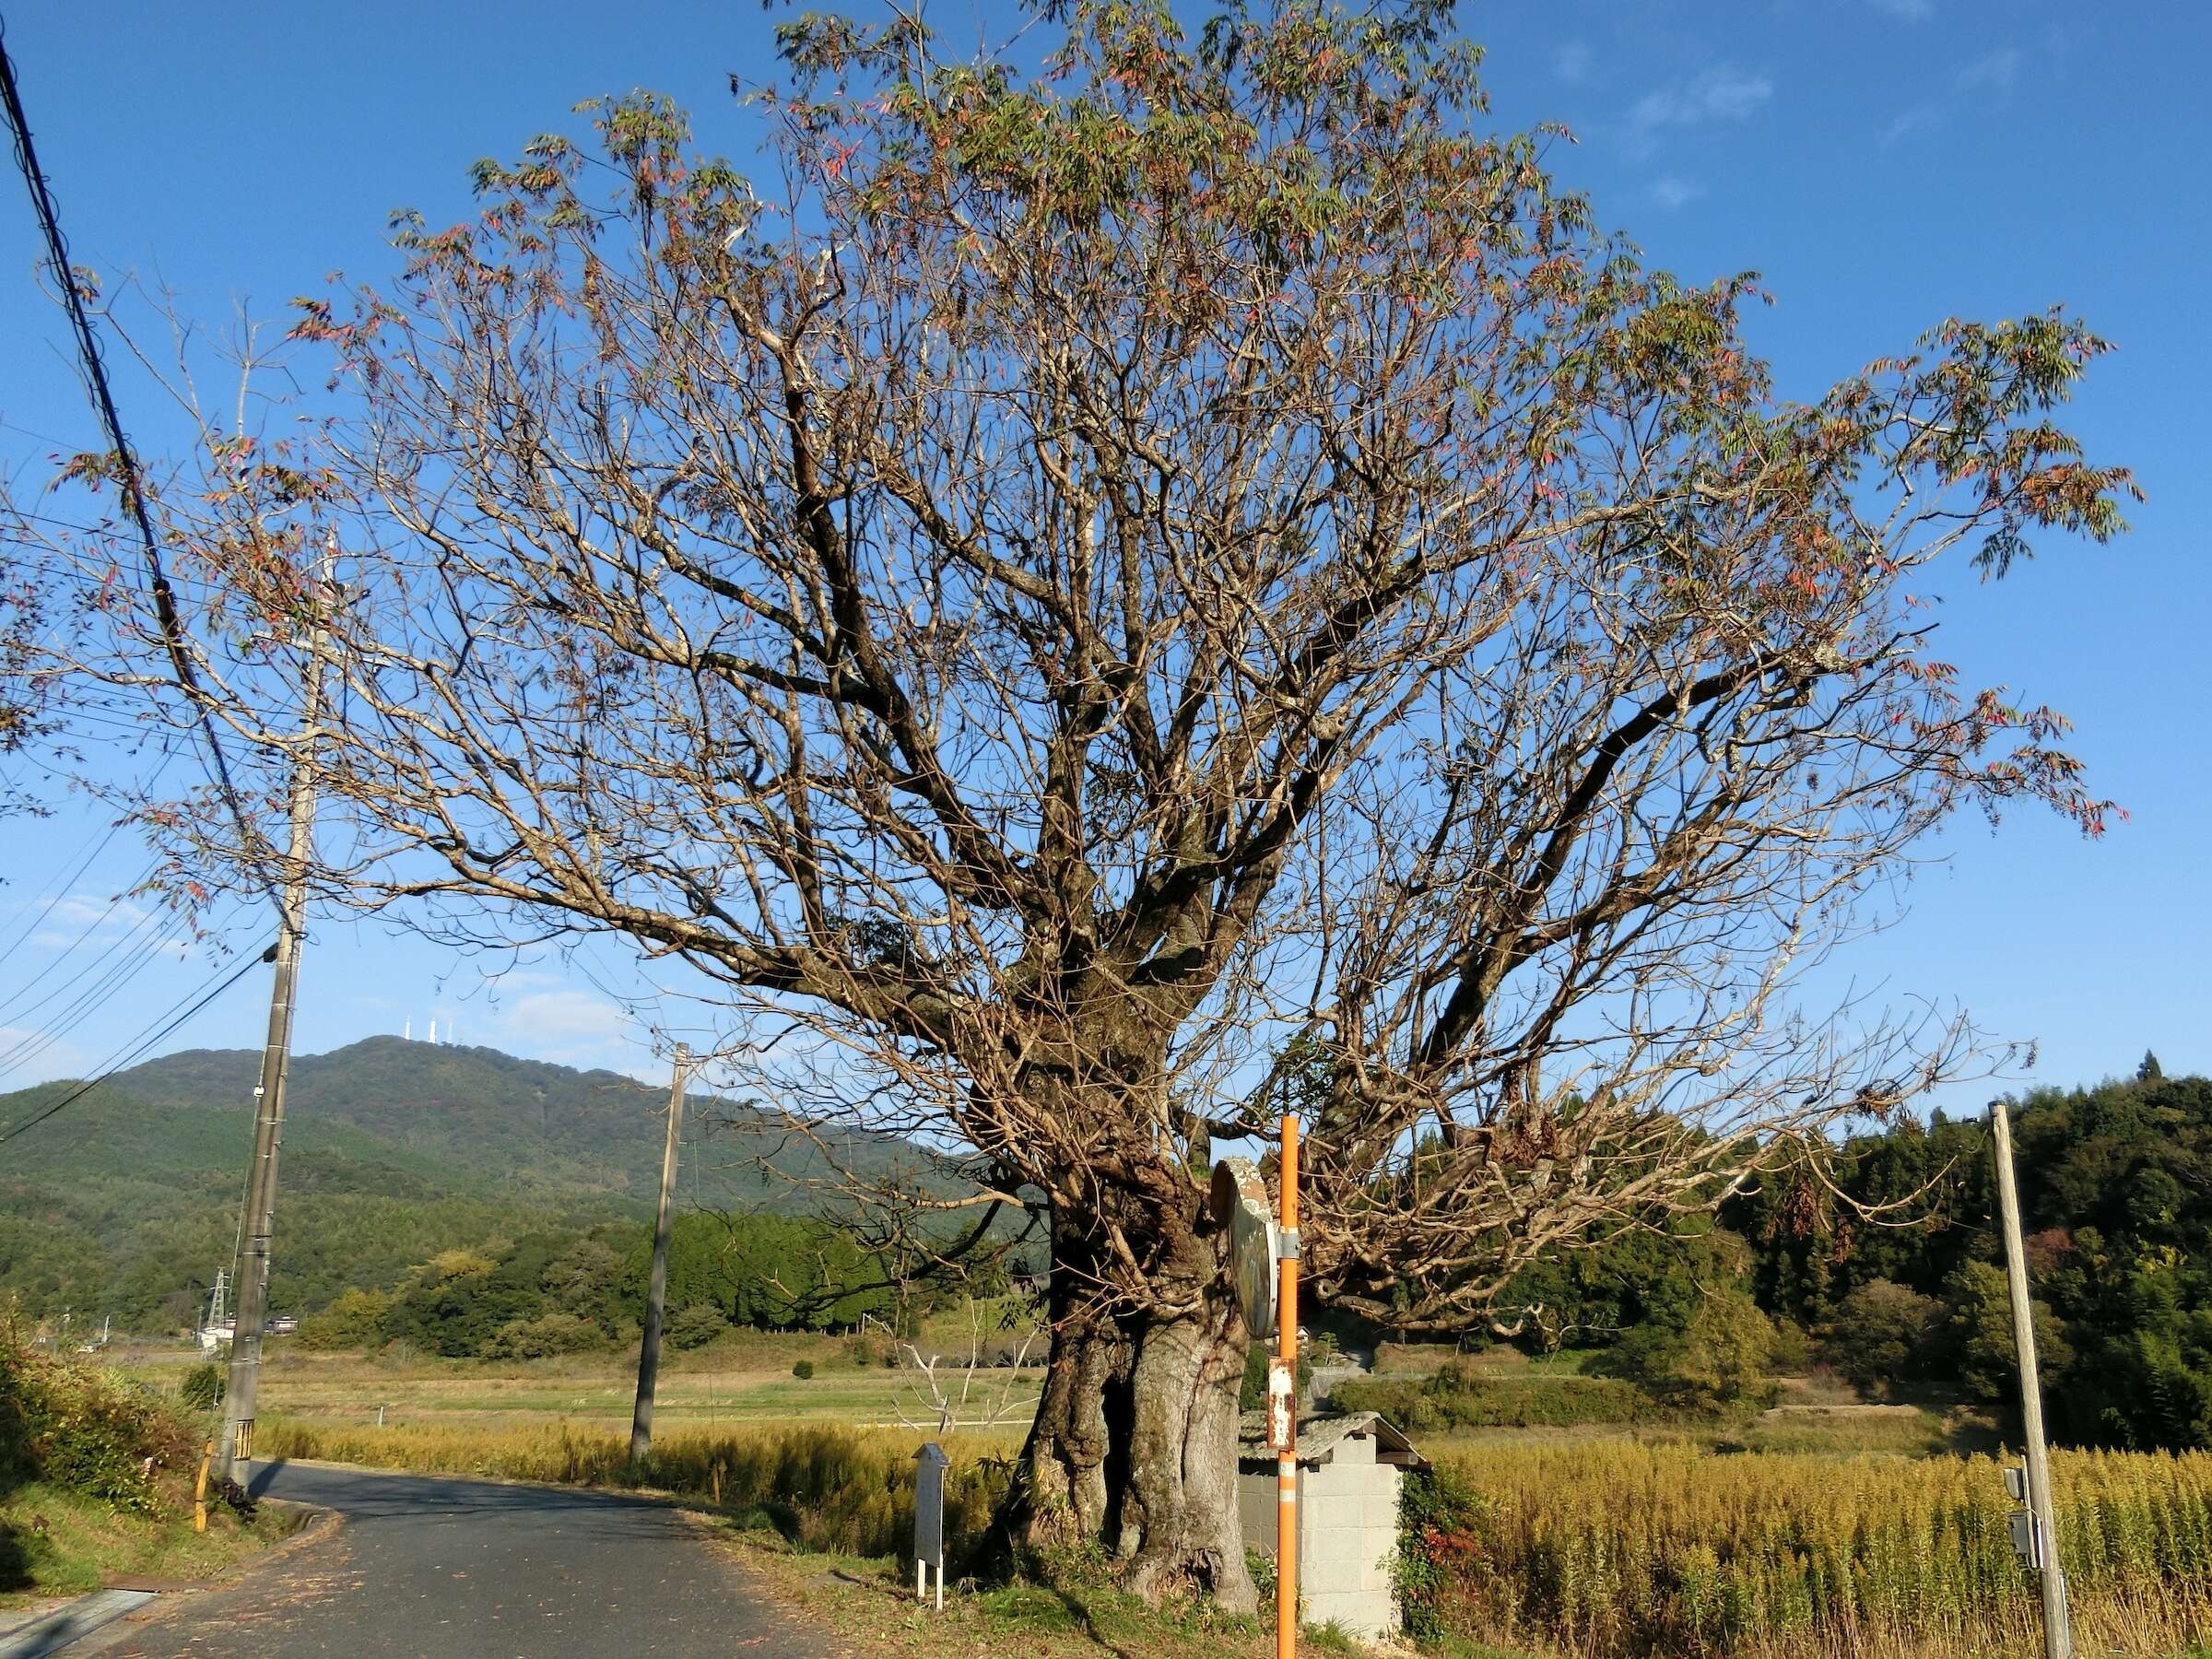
x,y
489,1122
393,1152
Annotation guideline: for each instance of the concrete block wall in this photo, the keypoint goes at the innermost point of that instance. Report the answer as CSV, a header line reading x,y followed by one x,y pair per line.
x,y
1350,1530
1348,1533
1256,1506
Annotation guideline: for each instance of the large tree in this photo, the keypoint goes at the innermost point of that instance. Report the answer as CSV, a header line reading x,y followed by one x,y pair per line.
x,y
1100,600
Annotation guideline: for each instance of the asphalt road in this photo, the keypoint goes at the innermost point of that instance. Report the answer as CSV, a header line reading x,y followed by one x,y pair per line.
x,y
436,1569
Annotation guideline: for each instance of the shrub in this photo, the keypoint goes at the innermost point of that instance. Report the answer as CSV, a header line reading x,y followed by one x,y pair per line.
x,y
544,1336
1793,1354
1439,1511
1722,1360
201,1387
1883,1333
84,1430
1462,1396
353,1321
695,1324
803,1370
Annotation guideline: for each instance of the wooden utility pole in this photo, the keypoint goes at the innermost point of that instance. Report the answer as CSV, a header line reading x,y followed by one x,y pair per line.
x,y
1286,1465
250,1282
2058,1637
656,1289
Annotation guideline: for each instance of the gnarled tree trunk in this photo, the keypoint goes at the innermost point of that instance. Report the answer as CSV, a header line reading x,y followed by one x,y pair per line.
x,y
1134,1445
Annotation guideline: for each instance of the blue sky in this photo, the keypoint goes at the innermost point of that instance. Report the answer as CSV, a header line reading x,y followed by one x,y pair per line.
x,y
1882,163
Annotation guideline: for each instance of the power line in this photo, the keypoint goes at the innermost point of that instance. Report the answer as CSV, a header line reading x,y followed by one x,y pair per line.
x,y
46,568
90,1000
116,1062
140,930
103,400
60,889
70,950
133,1044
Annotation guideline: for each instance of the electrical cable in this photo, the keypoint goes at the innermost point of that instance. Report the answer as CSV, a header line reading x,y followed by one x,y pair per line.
x,y
60,887
116,1062
127,474
132,1041
90,1000
70,950
123,947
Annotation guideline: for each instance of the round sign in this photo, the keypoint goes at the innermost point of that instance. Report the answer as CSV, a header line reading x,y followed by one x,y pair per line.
x,y
1240,1199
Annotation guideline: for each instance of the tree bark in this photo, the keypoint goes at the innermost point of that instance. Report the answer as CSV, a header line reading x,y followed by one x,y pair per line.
x,y
1134,1449
1180,1525
1073,1480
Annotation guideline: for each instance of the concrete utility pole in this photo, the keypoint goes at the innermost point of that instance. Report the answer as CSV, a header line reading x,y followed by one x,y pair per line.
x,y
2058,1637
235,1445
656,1289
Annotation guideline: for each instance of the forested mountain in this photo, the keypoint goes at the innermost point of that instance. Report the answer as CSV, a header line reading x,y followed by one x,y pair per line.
x,y
517,1125
1900,1285
393,1152
2116,1201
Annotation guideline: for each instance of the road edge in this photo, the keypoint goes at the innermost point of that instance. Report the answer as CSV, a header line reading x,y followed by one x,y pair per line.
x,y
319,1526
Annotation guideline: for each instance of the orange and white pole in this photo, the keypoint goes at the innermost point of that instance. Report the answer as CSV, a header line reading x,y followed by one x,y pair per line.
x,y
1285,1469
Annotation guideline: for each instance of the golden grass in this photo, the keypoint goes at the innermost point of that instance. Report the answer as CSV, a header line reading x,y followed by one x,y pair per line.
x,y
747,1378
1586,1547
1619,1548
824,1487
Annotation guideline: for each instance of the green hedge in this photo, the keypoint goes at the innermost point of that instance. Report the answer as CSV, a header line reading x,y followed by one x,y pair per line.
x,y
1457,1397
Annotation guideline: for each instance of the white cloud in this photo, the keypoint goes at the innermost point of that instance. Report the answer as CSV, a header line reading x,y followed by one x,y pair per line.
x,y
79,916
1918,119
1720,94
566,1025
1999,69
1671,190
59,1059
1993,72
558,1014
1912,11
81,911
1570,63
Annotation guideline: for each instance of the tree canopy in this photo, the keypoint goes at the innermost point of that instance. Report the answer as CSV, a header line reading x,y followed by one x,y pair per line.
x,y
1110,596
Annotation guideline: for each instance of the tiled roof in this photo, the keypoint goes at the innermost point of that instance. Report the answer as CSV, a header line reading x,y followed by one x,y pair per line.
x,y
1320,1435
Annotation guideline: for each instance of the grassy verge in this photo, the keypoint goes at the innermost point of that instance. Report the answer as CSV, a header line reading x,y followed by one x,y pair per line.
x,y
868,1604
57,1542
95,1474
